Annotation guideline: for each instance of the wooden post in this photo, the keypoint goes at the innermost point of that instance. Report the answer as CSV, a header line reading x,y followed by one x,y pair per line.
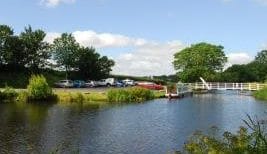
x,y
241,86
249,87
233,86
258,86
218,86
225,86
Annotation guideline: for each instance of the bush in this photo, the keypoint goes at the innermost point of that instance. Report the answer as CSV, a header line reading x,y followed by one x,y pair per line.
x,y
246,141
38,89
8,94
135,94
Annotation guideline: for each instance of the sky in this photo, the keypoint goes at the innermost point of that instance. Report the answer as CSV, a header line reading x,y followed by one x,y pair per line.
x,y
141,36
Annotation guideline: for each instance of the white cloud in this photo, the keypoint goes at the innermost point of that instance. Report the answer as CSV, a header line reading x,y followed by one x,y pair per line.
x,y
149,59
51,36
100,40
144,58
104,40
54,3
238,58
141,56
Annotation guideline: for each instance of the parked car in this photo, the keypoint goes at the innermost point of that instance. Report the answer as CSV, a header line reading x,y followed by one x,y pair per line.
x,y
106,82
91,83
119,83
78,84
129,82
150,85
64,84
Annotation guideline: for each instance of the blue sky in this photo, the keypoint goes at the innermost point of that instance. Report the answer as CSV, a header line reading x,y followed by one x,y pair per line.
x,y
238,25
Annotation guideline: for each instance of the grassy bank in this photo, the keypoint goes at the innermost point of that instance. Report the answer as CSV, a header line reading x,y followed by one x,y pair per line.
x,y
92,97
261,94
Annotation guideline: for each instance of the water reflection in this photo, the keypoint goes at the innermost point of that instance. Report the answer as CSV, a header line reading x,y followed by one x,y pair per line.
x,y
154,127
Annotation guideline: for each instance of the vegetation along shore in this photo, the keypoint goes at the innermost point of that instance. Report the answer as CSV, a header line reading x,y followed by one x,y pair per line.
x,y
38,90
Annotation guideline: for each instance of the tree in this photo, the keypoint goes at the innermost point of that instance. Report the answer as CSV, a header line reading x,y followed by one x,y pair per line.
x,y
262,57
199,60
240,73
91,65
14,55
36,49
5,33
65,51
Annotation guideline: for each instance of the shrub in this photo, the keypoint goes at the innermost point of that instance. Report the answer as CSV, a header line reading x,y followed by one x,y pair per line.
x,y
38,89
247,141
135,94
8,94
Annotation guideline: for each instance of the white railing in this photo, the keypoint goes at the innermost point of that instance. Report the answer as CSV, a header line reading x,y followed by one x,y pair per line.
x,y
227,86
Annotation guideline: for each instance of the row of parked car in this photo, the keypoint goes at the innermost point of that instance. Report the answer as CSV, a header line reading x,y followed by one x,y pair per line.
x,y
90,83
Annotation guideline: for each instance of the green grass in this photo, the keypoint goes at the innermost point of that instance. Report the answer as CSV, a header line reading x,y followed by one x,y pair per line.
x,y
261,94
78,97
135,94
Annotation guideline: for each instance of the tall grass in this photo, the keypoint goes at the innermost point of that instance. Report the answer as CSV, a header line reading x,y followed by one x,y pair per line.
x,y
248,140
77,97
135,94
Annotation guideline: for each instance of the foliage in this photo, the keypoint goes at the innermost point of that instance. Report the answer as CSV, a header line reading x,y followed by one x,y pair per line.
x,y
199,60
39,89
5,33
8,94
35,48
134,94
261,94
65,51
249,141
261,57
72,97
91,65
29,52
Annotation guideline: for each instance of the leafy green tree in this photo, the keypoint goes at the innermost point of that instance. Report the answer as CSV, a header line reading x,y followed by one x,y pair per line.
x,y
261,57
91,65
65,51
14,55
199,60
36,49
240,73
5,33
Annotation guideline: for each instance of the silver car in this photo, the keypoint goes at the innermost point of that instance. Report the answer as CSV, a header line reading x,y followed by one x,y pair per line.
x,y
64,84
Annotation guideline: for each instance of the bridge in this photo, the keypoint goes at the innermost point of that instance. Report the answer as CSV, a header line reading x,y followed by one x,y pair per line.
x,y
184,88
225,86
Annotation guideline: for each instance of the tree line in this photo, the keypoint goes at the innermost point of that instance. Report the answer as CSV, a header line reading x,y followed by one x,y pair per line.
x,y
208,61
29,51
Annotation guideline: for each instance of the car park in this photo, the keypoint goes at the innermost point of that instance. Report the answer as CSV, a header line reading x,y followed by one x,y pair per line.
x,y
64,84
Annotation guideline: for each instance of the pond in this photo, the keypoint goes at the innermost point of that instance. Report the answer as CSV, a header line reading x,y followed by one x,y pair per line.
x,y
157,126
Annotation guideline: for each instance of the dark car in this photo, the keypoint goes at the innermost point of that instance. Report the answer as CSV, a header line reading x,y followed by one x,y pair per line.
x,y
119,83
78,84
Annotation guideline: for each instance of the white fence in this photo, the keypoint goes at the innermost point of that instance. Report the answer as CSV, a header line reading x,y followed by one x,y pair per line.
x,y
226,86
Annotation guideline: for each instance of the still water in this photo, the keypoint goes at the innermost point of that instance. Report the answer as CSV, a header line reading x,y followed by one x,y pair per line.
x,y
157,126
